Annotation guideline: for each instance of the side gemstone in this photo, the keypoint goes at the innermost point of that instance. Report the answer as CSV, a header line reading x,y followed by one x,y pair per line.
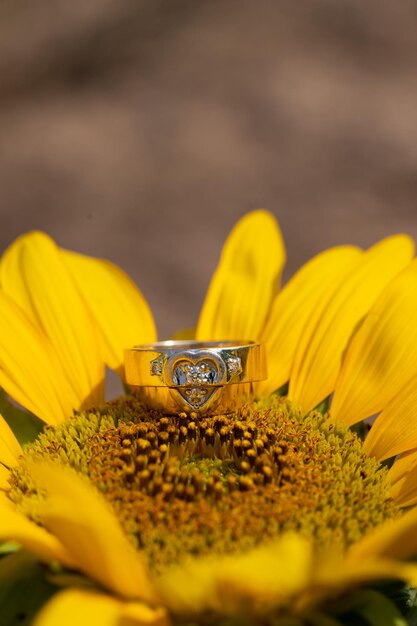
x,y
157,366
234,366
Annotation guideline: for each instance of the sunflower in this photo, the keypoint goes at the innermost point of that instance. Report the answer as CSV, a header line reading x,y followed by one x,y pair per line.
x,y
291,511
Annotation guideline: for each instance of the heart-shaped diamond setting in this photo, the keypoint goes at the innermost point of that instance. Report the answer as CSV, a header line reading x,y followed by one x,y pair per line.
x,y
195,378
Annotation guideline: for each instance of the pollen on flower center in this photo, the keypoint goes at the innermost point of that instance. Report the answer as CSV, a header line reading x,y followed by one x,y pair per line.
x,y
187,485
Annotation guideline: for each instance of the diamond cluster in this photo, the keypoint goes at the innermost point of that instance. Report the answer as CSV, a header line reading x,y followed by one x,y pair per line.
x,y
196,396
202,373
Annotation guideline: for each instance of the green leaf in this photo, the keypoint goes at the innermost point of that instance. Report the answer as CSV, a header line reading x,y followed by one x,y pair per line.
x,y
25,425
23,589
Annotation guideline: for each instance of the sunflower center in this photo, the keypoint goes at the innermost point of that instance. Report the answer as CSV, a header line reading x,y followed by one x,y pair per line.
x,y
185,485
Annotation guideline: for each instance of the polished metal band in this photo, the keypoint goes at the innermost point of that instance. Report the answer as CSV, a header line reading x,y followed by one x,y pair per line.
x,y
207,377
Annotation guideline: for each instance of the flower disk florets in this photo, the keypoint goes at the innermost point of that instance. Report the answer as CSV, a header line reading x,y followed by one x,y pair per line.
x,y
190,485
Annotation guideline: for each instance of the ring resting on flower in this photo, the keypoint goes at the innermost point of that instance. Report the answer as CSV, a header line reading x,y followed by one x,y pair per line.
x,y
276,514
212,377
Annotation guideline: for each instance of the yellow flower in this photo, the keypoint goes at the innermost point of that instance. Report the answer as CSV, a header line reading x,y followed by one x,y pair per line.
x,y
343,328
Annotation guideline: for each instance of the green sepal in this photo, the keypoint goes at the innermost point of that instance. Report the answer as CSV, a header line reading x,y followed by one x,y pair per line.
x,y
25,426
23,589
8,547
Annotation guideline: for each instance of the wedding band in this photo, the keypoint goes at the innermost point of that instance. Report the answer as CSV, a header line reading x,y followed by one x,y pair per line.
x,y
213,377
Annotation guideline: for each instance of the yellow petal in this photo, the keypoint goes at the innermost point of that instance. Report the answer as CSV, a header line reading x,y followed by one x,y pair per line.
x,y
29,370
245,282
395,539
294,306
33,273
395,429
16,527
4,478
10,452
12,279
319,355
270,576
382,354
403,478
10,449
78,515
89,608
119,309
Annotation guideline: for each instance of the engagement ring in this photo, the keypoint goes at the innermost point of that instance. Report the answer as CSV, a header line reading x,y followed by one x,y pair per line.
x,y
208,377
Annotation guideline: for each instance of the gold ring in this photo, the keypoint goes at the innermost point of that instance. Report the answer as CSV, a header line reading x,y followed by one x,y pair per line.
x,y
208,377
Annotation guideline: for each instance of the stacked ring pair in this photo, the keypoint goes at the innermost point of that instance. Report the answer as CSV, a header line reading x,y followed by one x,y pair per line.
x,y
207,377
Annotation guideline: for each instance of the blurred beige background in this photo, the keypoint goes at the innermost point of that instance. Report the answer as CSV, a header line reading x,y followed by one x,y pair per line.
x,y
140,130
